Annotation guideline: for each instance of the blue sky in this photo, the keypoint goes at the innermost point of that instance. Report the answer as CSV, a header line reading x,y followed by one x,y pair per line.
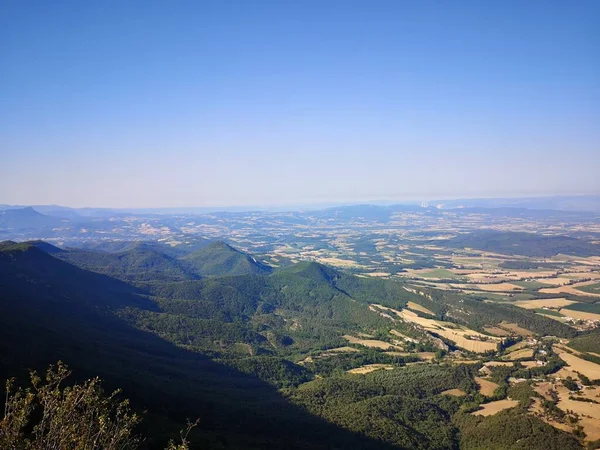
x,y
217,103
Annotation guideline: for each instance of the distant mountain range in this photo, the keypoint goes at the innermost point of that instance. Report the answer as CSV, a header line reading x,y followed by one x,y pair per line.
x,y
582,203
26,218
589,203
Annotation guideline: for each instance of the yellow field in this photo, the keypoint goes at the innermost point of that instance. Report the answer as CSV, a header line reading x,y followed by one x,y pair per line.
x,y
571,289
400,335
544,389
588,368
515,347
370,368
342,350
489,409
582,408
498,363
375,306
547,302
454,332
523,353
580,314
458,337
417,307
455,393
516,329
497,331
338,262
399,353
529,364
537,409
555,281
374,343
486,387
498,287
377,274
591,428
593,275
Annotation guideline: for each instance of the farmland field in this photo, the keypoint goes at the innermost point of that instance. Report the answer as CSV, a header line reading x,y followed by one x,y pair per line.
x,y
590,288
587,368
370,368
489,409
523,353
454,392
373,343
547,302
486,387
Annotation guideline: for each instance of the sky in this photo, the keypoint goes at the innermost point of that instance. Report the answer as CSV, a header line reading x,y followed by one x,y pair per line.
x,y
232,103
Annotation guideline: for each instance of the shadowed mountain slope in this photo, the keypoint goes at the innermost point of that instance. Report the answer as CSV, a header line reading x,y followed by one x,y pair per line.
x,y
53,310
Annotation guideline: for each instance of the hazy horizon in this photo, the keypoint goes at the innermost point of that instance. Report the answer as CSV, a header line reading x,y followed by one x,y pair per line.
x,y
215,104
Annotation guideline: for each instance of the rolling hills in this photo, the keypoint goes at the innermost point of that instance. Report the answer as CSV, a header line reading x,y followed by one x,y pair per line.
x,y
260,355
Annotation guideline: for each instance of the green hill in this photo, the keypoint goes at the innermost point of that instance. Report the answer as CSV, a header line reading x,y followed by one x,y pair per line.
x,y
176,251
53,310
225,349
138,263
219,258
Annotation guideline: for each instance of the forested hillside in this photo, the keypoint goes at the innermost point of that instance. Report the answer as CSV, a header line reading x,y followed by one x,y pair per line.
x,y
261,359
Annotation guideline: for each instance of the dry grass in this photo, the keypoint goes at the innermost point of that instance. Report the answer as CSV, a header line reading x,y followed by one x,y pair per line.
x,y
375,307
594,275
517,346
516,329
486,387
338,262
489,409
581,408
548,303
370,368
537,410
544,389
498,363
523,353
591,393
399,353
571,289
497,331
455,392
373,343
587,368
591,428
417,307
555,281
488,287
459,335
529,364
342,350
377,274
400,335
580,314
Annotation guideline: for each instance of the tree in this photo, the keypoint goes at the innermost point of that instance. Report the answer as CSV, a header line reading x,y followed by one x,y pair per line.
x,y
47,416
